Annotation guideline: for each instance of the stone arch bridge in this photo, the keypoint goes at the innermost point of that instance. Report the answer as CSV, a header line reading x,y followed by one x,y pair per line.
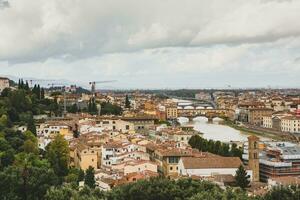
x,y
210,114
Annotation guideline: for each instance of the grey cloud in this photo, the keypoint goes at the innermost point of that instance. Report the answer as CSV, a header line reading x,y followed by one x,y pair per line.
x,y
81,29
4,4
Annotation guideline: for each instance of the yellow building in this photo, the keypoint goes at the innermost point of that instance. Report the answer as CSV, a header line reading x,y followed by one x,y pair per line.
x,y
168,160
85,156
171,112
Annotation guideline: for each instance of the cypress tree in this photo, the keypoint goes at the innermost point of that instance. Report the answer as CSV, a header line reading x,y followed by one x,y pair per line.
x,y
89,178
38,91
241,178
26,87
22,84
19,84
31,125
127,102
42,93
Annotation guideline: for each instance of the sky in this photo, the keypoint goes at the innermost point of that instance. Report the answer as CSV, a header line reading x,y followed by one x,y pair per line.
x,y
153,43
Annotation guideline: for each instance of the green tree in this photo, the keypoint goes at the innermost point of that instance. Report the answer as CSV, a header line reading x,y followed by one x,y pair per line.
x,y
3,121
127,102
236,152
110,109
42,93
283,193
89,179
73,108
29,178
81,175
6,153
242,178
26,86
58,155
31,125
69,192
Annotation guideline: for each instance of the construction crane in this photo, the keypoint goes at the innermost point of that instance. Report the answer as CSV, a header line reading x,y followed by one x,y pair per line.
x,y
63,88
93,84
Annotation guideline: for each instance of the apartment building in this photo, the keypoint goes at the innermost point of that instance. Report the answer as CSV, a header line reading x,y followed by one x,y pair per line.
x,y
171,112
290,124
285,122
116,152
177,135
255,115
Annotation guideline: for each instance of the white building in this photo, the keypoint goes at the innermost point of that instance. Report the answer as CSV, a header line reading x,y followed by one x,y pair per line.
x,y
209,166
267,122
290,124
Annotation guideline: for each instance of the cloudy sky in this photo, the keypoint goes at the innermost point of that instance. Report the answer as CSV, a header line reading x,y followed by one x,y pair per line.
x,y
153,43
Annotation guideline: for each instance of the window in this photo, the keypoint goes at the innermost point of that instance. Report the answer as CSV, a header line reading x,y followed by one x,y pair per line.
x,y
127,127
255,155
173,159
171,168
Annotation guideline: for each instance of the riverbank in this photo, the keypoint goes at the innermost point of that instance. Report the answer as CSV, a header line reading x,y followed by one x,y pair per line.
x,y
252,131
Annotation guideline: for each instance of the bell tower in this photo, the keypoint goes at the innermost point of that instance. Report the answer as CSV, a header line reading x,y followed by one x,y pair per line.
x,y
253,151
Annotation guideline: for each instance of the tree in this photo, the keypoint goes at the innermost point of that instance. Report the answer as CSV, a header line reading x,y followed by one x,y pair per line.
x,y
30,147
59,156
236,152
26,86
3,121
28,178
110,109
127,102
42,93
241,178
73,108
92,107
89,178
283,193
6,153
31,125
68,192
81,175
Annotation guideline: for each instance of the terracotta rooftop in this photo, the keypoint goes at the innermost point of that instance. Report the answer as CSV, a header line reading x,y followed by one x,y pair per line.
x,y
211,162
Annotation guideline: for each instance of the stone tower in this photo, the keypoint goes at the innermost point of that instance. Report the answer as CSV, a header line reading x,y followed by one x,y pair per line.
x,y
253,151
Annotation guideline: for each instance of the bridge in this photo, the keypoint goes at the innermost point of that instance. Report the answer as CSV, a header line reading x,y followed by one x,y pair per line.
x,y
210,114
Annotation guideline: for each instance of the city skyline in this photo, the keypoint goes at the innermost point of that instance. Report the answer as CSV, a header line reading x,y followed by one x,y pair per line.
x,y
153,44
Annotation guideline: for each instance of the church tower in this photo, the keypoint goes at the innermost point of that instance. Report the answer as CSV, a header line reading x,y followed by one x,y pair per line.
x,y
253,151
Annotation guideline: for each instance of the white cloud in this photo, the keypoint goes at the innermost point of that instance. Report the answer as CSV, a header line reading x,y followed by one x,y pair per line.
x,y
151,42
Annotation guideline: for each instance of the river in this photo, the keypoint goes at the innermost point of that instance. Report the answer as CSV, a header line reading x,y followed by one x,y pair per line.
x,y
215,130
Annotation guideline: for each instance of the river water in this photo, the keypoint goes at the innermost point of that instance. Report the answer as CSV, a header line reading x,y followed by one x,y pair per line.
x,y
215,130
